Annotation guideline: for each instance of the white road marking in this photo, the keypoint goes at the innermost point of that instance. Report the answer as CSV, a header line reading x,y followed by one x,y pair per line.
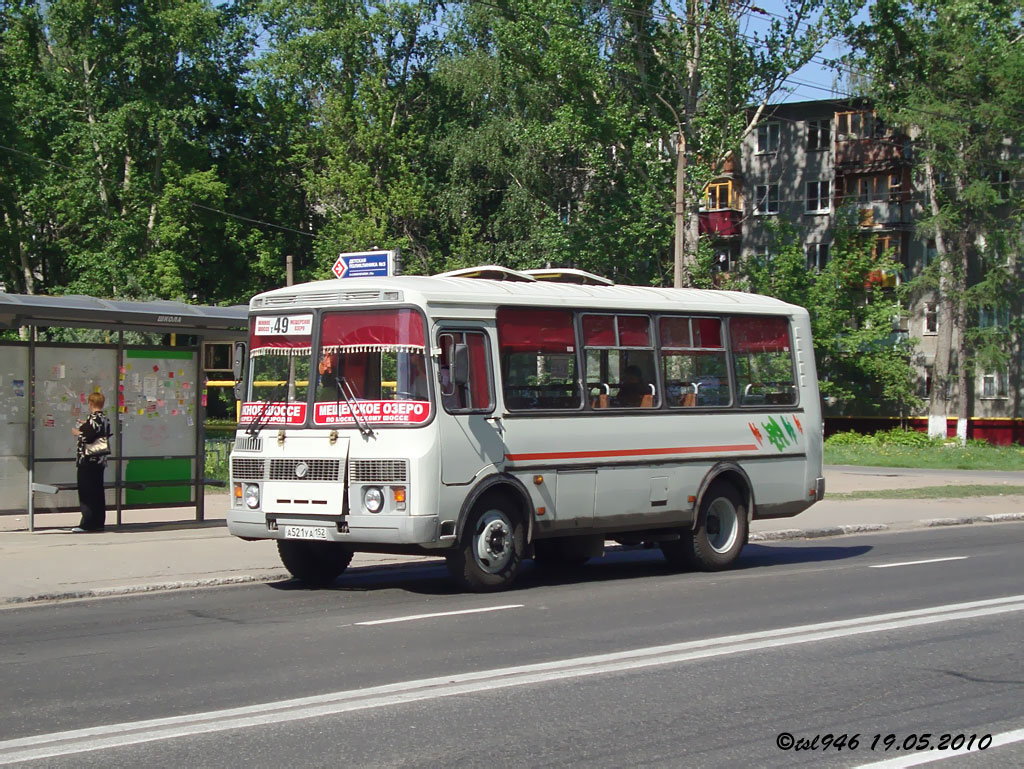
x,y
915,563
272,713
1006,738
412,617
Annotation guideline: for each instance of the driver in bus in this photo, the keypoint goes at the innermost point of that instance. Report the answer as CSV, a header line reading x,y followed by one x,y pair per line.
x,y
327,386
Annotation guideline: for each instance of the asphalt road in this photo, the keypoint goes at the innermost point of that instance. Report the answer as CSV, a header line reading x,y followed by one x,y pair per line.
x,y
622,663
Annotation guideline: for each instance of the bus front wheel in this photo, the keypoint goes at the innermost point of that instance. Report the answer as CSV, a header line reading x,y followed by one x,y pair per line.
x,y
317,564
490,553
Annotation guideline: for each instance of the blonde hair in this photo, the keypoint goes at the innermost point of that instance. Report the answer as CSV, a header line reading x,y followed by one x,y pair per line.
x,y
96,400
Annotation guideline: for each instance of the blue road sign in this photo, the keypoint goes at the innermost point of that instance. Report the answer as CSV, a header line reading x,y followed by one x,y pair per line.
x,y
368,264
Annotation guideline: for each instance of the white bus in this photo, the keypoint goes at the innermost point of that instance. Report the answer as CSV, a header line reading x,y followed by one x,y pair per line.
x,y
492,420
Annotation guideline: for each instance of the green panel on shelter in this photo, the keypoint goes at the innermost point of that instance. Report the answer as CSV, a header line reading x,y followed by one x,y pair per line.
x,y
147,471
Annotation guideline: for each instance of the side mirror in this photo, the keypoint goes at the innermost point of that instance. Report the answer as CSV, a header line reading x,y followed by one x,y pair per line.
x,y
460,364
238,368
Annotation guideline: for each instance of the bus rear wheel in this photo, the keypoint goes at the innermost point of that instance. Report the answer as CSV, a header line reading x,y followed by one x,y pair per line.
x,y
490,552
721,529
317,564
720,535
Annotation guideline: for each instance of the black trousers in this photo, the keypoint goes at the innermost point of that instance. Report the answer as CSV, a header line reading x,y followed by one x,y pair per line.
x,y
91,497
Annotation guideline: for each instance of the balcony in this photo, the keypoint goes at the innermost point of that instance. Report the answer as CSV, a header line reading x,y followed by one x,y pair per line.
x,y
878,154
889,215
723,223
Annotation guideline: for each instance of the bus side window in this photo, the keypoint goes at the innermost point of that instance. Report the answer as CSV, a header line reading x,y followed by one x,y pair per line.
x,y
763,360
693,361
538,359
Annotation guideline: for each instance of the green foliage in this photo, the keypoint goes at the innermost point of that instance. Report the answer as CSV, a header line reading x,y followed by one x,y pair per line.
x,y
951,75
849,438
862,364
937,456
898,437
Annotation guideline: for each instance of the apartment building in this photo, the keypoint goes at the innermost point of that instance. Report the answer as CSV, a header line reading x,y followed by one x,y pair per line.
x,y
803,163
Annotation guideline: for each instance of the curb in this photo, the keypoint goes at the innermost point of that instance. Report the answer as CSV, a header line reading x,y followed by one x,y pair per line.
x,y
241,579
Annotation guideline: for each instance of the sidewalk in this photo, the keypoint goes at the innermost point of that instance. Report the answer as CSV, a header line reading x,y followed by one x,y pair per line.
x,y
163,549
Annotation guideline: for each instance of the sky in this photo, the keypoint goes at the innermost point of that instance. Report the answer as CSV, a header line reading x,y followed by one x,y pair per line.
x,y
815,81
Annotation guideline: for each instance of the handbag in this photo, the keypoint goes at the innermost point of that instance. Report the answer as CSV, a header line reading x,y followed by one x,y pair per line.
x,y
98,448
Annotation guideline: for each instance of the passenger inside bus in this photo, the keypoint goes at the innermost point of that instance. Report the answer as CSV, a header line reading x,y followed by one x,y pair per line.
x,y
633,387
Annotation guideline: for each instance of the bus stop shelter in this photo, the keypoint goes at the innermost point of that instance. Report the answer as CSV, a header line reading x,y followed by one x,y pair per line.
x,y
155,398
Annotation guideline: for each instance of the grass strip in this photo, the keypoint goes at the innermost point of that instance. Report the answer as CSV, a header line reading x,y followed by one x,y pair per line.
x,y
934,492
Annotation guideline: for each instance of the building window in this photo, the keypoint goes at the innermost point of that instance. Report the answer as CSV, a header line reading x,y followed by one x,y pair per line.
x,y
858,125
817,256
768,137
719,196
931,252
819,134
882,187
888,245
1001,184
767,199
931,318
818,197
993,385
763,256
993,317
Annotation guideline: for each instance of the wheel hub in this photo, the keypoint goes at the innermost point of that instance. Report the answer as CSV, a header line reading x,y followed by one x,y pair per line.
x,y
492,545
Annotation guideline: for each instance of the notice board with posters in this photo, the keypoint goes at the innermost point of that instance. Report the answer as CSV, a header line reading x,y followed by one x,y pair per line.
x,y
159,404
64,378
14,411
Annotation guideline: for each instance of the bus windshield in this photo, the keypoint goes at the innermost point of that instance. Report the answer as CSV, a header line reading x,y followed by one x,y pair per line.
x,y
280,348
373,361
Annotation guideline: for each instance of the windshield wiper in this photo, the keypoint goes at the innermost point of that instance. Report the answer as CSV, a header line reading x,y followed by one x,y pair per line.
x,y
255,426
340,384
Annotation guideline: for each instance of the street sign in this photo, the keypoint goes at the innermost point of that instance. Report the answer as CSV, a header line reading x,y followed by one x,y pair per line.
x,y
365,264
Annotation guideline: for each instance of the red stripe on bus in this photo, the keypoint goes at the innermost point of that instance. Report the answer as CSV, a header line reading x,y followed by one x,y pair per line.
x,y
627,452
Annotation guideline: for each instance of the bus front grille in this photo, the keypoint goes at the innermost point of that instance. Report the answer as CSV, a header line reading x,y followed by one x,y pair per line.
x,y
247,443
378,471
313,470
246,469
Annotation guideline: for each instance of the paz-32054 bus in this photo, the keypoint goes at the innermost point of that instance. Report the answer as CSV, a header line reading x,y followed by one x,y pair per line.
x,y
490,421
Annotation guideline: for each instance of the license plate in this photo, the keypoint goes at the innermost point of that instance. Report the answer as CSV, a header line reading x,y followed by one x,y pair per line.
x,y
305,532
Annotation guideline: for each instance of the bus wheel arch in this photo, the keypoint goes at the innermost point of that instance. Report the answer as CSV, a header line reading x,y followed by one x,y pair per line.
x,y
493,533
722,524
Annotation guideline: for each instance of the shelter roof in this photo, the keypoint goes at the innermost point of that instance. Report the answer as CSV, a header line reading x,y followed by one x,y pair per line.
x,y
160,316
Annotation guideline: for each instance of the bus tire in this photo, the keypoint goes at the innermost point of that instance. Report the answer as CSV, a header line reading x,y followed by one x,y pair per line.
x,y
490,551
721,529
317,564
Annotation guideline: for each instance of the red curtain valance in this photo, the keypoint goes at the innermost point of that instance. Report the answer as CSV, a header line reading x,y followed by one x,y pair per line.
x,y
373,330
535,330
759,334
279,345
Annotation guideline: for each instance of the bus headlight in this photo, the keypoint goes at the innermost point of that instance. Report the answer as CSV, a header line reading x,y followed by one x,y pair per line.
x,y
373,499
252,496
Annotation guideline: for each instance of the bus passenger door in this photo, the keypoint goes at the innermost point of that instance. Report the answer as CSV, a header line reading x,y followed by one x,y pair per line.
x,y
471,438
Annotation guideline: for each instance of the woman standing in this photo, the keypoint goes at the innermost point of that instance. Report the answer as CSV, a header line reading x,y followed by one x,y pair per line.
x,y
91,496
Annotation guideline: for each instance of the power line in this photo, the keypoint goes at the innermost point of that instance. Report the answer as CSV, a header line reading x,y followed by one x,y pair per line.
x,y
108,180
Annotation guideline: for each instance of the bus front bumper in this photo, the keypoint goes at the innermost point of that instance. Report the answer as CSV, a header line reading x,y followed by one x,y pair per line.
x,y
376,530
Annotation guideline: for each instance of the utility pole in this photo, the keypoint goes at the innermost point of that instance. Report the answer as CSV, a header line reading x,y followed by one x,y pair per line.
x,y
677,269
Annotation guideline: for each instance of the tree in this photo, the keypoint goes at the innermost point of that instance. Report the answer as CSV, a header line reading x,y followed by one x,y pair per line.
x,y
862,362
114,107
716,82
952,74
